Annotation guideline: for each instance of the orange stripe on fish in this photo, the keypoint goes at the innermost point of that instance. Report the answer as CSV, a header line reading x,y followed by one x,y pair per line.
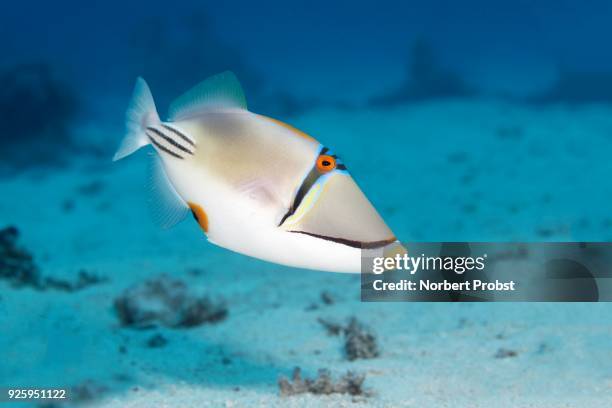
x,y
291,128
200,216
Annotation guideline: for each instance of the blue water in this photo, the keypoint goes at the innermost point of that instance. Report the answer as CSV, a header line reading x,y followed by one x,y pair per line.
x,y
468,121
325,50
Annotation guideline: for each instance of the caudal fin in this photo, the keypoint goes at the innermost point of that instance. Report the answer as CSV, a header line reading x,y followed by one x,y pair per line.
x,y
140,114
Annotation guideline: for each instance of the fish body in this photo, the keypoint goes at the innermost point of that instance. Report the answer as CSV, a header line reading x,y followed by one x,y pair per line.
x,y
255,185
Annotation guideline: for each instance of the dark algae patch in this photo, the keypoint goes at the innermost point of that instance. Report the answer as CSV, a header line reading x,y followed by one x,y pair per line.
x,y
157,341
84,280
333,329
505,353
88,391
92,188
323,384
359,341
17,264
167,302
327,298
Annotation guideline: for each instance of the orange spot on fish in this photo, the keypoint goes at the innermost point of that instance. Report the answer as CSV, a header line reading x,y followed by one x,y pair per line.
x,y
297,132
200,216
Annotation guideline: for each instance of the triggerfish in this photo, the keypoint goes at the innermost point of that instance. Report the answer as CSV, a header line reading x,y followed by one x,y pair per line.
x,y
255,185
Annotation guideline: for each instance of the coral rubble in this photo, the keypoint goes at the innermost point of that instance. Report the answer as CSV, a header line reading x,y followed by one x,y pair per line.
x,y
163,301
359,342
350,383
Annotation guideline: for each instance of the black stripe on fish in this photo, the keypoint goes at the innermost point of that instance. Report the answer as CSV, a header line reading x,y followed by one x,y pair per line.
x,y
179,134
169,139
350,242
163,148
307,184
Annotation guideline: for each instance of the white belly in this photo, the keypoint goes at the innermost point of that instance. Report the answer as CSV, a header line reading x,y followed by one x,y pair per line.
x,y
293,249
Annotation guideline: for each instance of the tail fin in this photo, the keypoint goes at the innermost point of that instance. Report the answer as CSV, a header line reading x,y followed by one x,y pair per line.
x,y
140,114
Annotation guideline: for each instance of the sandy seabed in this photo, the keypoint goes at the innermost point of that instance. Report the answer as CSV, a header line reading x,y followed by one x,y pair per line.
x,y
455,170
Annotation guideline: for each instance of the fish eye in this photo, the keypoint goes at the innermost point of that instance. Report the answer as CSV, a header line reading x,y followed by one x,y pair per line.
x,y
326,163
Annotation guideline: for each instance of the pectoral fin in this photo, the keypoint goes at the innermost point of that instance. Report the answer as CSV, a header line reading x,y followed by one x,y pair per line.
x,y
166,205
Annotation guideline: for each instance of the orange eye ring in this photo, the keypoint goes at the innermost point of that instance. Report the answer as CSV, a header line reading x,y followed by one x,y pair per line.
x,y
326,163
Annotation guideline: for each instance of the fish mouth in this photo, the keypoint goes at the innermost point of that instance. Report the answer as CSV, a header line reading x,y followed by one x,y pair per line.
x,y
350,242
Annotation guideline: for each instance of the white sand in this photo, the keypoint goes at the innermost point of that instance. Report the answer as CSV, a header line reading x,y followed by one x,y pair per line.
x,y
433,355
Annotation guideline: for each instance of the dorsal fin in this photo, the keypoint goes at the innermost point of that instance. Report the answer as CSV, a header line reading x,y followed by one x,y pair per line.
x,y
221,91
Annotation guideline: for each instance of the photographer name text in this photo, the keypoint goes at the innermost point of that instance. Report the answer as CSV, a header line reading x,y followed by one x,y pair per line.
x,y
445,285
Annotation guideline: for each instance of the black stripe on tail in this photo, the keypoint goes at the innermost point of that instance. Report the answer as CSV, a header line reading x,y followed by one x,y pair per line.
x,y
179,134
168,138
162,147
